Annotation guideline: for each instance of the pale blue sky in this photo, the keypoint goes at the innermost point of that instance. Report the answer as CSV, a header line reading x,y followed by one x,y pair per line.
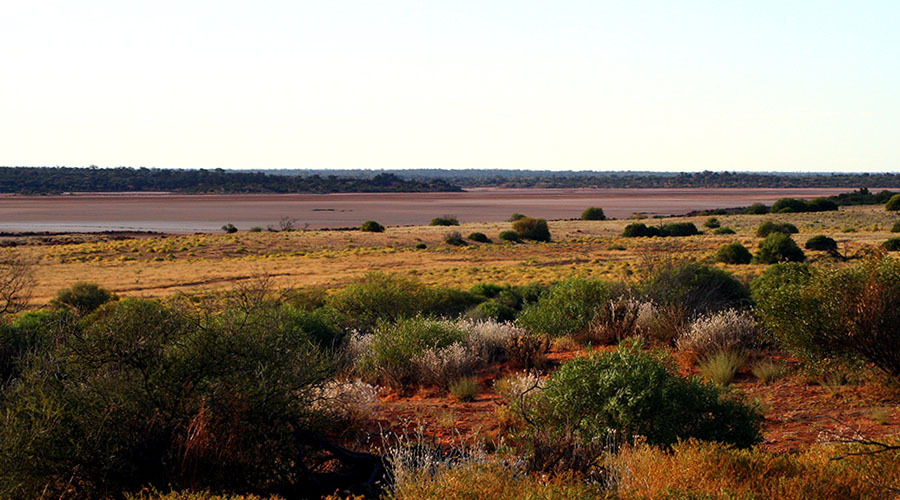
x,y
631,85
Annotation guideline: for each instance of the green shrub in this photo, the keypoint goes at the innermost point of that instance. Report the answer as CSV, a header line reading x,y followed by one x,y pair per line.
x,y
768,227
896,227
893,204
892,245
593,213
636,393
421,246
255,229
528,351
371,227
712,223
679,229
768,371
848,313
721,367
229,228
757,209
723,230
789,205
567,307
638,229
83,298
455,239
733,253
695,288
494,310
532,229
821,205
395,345
479,238
446,220
465,389
511,236
515,216
821,242
779,247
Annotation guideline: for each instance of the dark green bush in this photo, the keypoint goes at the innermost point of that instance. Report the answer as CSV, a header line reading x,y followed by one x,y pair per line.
x,y
421,246
446,220
821,242
593,213
679,229
896,227
515,216
757,209
845,312
567,307
893,204
723,230
634,393
479,238
455,239
712,223
733,253
779,247
532,229
638,229
493,309
229,228
695,288
768,227
789,205
821,205
510,236
144,397
892,245
372,227
396,344
83,298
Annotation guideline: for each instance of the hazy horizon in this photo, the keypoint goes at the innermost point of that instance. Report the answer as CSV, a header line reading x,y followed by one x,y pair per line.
x,y
598,86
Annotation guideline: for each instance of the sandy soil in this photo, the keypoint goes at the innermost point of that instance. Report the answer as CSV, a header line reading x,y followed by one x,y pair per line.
x,y
206,213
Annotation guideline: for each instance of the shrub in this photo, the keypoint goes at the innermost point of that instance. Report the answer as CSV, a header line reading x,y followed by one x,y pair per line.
x,y
567,307
893,204
848,313
442,365
768,371
768,227
528,351
756,209
421,246
892,245
593,213
515,216
255,229
789,205
396,346
821,205
454,238
346,403
722,366
821,242
371,226
723,230
229,228
779,247
493,309
617,319
446,220
727,331
733,253
479,237
488,338
695,289
465,389
83,298
638,229
532,229
510,236
896,227
635,393
712,223
679,229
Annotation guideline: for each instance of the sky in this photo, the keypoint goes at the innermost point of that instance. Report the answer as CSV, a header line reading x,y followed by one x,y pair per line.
x,y
565,85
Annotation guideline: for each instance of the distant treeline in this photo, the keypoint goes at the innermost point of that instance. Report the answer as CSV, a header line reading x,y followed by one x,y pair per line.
x,y
55,180
624,179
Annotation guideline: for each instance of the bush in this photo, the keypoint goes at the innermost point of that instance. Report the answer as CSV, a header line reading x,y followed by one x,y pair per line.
x,y
768,371
515,216
494,310
421,246
465,389
721,367
892,245
229,228
567,307
821,205
728,331
638,229
447,220
479,238
593,213
723,230
511,236
896,227
528,351
454,238
695,289
779,247
532,229
712,223
371,226
679,229
848,313
757,209
893,204
618,319
733,253
255,229
83,298
397,348
768,227
821,242
635,393
789,205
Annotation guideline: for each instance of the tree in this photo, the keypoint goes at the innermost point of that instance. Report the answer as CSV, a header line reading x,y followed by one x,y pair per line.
x,y
16,283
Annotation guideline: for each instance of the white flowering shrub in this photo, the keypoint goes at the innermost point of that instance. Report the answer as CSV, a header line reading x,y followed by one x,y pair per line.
x,y
488,338
442,366
730,331
350,402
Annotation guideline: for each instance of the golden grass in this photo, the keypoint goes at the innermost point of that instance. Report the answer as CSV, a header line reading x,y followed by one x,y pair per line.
x,y
160,266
